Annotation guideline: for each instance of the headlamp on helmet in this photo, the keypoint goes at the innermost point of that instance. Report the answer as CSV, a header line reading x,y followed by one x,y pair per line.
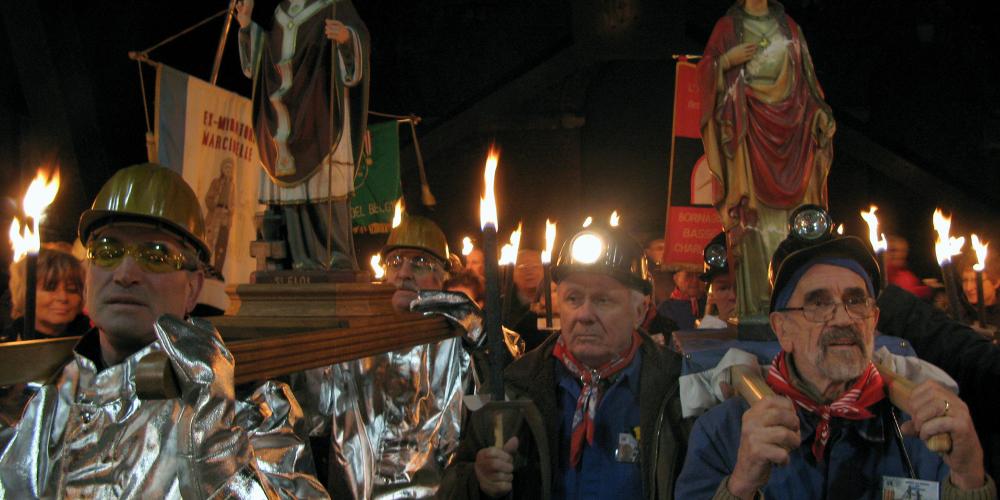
x,y
715,257
604,250
810,223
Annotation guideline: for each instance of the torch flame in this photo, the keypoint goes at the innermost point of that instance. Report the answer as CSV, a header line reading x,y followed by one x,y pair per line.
x,y
21,238
980,248
41,193
589,220
397,216
488,203
508,254
614,219
550,240
840,229
879,244
945,246
377,268
467,246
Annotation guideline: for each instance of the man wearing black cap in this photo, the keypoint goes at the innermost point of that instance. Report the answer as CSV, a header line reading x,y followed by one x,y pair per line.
x,y
721,303
607,394
831,429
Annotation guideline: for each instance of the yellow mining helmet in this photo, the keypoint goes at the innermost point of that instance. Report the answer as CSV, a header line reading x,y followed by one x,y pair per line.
x,y
151,194
419,233
604,250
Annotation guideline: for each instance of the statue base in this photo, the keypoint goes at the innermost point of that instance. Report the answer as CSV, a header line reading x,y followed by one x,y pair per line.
x,y
307,277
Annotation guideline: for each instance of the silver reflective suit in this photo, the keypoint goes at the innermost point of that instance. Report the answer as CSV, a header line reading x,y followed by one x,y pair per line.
x,y
87,435
394,419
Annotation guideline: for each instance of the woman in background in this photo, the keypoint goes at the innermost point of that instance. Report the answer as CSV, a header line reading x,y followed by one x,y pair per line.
x,y
58,299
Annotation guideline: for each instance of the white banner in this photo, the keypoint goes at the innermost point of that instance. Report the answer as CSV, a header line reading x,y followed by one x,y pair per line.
x,y
206,133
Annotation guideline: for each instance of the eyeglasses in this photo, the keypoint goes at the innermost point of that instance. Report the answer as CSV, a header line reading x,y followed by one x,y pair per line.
x,y
419,264
821,311
154,257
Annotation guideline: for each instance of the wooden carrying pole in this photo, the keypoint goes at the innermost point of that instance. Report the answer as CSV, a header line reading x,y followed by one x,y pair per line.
x,y
256,359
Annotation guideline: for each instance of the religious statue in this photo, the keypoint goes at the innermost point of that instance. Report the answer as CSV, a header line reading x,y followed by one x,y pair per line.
x,y
768,136
310,108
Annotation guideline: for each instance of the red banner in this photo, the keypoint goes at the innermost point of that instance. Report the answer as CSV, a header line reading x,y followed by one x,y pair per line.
x,y
687,105
689,229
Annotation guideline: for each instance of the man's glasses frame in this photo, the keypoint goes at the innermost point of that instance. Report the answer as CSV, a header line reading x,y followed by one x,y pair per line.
x,y
153,256
821,311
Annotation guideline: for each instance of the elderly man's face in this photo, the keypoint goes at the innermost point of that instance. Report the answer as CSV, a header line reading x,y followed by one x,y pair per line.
x,y
836,350
411,270
598,315
125,299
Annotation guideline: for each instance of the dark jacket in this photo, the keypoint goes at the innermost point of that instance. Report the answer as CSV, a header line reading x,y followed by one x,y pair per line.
x,y
971,359
534,377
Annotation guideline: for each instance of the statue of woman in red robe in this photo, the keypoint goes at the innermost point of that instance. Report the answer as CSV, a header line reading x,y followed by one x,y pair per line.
x,y
768,135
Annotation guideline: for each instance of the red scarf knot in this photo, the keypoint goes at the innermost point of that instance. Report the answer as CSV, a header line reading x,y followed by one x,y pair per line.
x,y
852,405
590,392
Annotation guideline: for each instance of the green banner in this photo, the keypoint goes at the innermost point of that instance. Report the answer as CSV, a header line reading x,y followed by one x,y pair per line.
x,y
377,184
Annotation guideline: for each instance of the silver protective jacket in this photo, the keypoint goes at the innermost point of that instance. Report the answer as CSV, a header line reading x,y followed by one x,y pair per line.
x,y
394,419
87,435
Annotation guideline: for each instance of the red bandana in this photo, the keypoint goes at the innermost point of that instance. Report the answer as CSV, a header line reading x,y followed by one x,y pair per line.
x,y
678,295
590,393
852,405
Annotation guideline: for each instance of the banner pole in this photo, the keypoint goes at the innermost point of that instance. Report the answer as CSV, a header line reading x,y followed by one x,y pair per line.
x,y
222,42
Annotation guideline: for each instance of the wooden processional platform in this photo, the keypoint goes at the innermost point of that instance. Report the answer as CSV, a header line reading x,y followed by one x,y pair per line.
x,y
274,329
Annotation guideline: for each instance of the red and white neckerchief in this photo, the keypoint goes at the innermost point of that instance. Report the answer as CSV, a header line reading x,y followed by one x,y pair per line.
x,y
852,405
590,392
678,295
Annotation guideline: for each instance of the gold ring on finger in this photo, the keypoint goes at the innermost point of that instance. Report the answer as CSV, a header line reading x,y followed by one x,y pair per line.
x,y
947,406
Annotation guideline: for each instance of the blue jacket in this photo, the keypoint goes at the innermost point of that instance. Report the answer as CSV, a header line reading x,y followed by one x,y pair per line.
x,y
858,455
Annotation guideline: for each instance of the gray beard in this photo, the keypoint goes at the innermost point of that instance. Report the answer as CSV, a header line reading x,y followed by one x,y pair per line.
x,y
842,365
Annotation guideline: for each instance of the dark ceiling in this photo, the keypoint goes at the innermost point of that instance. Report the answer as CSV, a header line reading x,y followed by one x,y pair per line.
x,y
578,94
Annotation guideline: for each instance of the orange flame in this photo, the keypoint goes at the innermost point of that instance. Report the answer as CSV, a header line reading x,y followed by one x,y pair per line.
x,y
877,240
41,193
945,246
397,215
550,240
840,229
508,254
588,221
467,246
488,203
377,268
980,247
614,219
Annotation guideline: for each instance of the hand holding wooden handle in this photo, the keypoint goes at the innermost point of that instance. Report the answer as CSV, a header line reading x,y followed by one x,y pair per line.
x,y
899,393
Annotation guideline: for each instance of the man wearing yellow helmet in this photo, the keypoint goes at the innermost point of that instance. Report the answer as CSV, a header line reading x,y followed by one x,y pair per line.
x,y
394,419
86,433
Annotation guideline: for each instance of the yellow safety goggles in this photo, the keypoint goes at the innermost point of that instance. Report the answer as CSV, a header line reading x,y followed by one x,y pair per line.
x,y
153,256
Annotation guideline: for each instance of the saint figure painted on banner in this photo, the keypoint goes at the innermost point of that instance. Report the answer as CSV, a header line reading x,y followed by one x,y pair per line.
x,y
310,112
219,202
768,135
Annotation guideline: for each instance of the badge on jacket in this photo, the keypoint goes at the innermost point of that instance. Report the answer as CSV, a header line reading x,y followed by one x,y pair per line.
x,y
901,487
628,448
